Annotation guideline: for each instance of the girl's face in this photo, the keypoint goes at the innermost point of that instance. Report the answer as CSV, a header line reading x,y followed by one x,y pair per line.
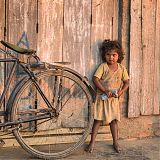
x,y
111,57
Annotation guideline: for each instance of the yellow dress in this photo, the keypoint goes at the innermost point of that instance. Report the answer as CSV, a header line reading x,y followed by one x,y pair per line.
x,y
108,110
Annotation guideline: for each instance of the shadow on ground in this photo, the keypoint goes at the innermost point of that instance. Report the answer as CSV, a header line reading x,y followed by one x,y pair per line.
x,y
143,149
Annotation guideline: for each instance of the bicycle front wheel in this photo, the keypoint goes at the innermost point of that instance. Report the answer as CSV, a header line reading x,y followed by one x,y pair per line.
x,y
60,135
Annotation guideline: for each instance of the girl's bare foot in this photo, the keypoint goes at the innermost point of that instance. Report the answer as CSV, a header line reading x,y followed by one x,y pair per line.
x,y
116,147
89,148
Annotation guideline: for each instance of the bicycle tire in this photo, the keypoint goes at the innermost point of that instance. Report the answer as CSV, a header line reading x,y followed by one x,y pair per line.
x,y
73,123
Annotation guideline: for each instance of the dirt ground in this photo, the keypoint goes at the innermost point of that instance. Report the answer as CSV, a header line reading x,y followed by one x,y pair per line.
x,y
134,149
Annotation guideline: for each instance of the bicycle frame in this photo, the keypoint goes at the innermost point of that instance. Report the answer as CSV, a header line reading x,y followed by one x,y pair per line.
x,y
7,84
30,75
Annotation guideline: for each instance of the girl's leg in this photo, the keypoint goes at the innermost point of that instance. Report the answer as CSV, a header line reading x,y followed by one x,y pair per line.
x,y
95,129
114,132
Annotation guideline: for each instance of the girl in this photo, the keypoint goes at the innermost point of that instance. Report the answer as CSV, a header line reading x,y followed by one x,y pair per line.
x,y
112,80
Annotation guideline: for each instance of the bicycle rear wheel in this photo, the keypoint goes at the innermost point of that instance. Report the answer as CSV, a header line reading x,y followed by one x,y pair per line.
x,y
59,136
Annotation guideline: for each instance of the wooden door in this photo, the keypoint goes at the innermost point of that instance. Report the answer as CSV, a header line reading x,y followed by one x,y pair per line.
x,y
144,58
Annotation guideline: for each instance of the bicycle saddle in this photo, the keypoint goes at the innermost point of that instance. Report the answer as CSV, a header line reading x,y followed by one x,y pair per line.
x,y
17,48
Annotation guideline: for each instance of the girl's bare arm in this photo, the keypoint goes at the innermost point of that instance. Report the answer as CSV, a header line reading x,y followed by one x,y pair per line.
x,y
124,87
100,86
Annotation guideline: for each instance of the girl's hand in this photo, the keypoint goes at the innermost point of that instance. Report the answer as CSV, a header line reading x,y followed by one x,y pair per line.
x,y
108,93
120,92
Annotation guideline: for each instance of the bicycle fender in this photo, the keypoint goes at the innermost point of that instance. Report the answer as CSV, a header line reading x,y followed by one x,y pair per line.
x,y
82,78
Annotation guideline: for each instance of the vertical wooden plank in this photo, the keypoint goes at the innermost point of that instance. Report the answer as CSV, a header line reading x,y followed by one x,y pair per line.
x,y
50,30
21,22
124,38
76,40
104,26
156,92
124,26
50,34
104,19
135,60
2,20
115,20
76,43
148,68
2,25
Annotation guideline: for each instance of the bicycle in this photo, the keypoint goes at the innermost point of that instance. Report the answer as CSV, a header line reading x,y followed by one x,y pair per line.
x,y
50,109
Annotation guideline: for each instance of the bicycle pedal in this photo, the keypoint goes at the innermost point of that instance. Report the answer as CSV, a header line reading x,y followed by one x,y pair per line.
x,y
9,129
12,128
2,143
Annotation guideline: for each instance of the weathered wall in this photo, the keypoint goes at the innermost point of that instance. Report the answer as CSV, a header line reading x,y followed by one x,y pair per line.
x,y
144,58
142,126
61,30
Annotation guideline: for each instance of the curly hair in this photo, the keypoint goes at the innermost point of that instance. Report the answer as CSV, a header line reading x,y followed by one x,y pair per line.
x,y
109,45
